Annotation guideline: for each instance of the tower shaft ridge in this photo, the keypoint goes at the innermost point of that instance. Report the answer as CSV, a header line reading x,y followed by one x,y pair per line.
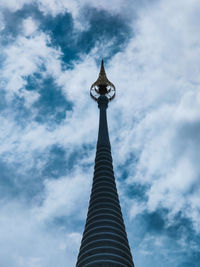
x,y
104,242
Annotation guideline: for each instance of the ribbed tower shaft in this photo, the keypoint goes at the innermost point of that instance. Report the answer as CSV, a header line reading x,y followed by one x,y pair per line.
x,y
104,242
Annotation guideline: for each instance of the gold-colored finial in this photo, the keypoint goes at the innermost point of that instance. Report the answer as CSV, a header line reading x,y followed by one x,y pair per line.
x,y
102,86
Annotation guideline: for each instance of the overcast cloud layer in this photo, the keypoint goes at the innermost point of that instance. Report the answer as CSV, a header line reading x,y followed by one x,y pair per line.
x,y
50,56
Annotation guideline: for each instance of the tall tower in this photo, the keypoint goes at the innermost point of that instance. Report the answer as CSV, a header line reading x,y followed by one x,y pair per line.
x,y
104,242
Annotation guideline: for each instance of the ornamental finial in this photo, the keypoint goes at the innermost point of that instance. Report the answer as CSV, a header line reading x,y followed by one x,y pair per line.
x,y
102,86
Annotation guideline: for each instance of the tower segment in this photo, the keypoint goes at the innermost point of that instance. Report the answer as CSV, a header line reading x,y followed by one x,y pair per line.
x,y
104,242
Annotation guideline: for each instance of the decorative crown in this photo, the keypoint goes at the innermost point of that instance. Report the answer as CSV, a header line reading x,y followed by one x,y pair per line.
x,y
102,86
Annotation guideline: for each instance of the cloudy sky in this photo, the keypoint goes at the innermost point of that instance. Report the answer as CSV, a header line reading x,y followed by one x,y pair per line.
x,y
50,55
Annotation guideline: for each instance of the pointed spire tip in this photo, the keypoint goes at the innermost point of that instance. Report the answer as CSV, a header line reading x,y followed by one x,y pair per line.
x,y
102,70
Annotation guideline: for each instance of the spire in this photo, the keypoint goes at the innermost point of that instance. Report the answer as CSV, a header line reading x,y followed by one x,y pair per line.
x,y
104,242
102,86
102,70
102,79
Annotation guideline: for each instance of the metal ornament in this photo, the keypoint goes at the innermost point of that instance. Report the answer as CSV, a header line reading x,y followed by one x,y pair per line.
x,y
102,86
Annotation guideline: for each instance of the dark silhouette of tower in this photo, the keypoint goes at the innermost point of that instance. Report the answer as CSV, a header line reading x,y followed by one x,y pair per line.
x,y
104,241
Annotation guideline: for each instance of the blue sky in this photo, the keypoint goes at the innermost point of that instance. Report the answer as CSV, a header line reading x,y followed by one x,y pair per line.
x,y
50,56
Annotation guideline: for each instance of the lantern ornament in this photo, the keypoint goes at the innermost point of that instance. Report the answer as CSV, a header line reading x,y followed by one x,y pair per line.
x,y
102,86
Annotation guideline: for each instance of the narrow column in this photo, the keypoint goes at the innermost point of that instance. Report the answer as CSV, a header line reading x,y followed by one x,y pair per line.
x,y
104,242
103,137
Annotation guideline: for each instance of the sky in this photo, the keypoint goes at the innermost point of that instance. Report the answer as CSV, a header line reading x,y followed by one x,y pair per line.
x,y
50,55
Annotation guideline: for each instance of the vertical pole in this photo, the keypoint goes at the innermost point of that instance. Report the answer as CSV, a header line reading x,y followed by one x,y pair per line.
x,y
103,136
104,242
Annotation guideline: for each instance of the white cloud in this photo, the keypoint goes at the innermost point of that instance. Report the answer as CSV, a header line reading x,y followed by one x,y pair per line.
x,y
25,57
158,96
28,242
14,5
2,25
56,7
66,196
29,26
136,208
